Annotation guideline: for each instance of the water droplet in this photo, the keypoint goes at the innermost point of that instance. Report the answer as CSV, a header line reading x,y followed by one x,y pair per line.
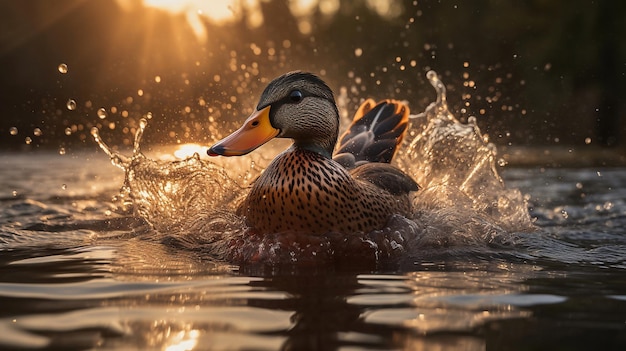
x,y
64,186
157,79
502,162
71,104
68,131
62,151
37,132
13,131
102,113
28,140
14,193
587,140
62,68
358,52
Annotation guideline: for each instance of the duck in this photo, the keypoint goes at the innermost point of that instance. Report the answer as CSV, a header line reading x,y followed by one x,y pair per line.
x,y
311,187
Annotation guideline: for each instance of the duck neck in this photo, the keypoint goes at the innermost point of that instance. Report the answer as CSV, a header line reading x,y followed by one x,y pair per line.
x,y
315,146
317,129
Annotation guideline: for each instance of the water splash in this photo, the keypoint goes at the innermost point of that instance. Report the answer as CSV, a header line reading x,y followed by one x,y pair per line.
x,y
457,166
102,113
170,195
71,104
62,68
464,204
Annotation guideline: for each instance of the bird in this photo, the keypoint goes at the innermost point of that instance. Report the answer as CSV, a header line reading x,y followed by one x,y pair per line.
x,y
310,187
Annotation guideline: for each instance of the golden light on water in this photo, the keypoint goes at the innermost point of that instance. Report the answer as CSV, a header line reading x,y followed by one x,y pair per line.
x,y
183,340
187,150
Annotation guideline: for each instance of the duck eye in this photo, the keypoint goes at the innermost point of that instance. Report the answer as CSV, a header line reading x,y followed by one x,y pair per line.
x,y
295,96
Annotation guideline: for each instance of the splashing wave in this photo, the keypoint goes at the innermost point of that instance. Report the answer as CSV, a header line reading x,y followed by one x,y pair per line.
x,y
464,204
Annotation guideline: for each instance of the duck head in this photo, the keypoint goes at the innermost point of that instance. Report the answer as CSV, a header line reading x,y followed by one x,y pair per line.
x,y
296,105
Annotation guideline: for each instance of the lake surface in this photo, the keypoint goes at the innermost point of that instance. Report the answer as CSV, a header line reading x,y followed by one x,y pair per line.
x,y
75,273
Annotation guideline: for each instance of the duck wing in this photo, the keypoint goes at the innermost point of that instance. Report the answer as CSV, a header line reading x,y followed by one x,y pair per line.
x,y
386,177
374,135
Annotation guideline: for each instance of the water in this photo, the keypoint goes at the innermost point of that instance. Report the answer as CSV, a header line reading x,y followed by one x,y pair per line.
x,y
493,258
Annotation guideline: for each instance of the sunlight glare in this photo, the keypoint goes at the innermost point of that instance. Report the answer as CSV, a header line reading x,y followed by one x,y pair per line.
x,y
302,7
187,150
184,340
196,12
218,11
224,11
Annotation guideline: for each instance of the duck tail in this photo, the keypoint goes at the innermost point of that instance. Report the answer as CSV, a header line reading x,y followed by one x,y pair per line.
x,y
375,133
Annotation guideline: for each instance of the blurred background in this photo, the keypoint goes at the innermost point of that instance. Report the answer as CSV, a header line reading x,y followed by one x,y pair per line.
x,y
537,74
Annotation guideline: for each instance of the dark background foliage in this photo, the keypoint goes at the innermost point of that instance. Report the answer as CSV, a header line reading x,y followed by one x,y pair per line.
x,y
534,72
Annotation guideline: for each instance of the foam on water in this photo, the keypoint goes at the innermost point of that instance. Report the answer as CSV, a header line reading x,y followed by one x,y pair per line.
x,y
463,205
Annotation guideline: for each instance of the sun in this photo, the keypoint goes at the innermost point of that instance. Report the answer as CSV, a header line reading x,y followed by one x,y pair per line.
x,y
225,11
195,11
215,10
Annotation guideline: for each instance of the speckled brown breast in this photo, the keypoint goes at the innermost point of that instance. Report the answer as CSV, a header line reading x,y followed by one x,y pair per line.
x,y
304,191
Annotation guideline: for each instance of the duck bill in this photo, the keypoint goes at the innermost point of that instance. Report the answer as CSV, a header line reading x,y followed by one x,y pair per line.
x,y
256,131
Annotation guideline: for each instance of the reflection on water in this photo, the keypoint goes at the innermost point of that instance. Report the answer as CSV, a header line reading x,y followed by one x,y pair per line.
x,y
133,293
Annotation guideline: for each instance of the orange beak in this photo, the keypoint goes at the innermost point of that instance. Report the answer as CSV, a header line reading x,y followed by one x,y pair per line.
x,y
256,131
